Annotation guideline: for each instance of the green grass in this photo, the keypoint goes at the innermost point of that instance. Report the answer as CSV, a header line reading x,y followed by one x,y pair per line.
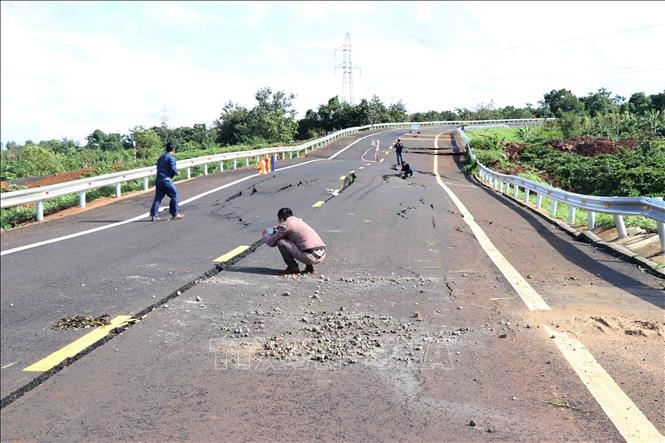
x,y
476,134
16,216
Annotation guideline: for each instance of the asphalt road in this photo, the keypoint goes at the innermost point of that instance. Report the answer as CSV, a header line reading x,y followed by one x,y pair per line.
x,y
420,325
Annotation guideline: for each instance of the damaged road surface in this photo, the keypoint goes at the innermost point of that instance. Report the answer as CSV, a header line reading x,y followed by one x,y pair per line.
x,y
409,331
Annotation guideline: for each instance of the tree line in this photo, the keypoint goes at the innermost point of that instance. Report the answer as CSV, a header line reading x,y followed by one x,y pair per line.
x,y
273,121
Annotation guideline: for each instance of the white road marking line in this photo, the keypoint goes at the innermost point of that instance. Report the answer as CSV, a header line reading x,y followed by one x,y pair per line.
x,y
182,203
626,416
531,298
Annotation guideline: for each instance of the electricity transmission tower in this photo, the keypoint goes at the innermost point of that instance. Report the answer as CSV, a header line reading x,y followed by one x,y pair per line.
x,y
165,119
347,70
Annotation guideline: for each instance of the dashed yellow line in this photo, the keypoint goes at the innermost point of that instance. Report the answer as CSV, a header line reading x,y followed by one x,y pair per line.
x,y
77,346
229,255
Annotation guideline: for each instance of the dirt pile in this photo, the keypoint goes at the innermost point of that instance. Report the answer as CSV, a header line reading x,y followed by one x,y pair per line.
x,y
590,147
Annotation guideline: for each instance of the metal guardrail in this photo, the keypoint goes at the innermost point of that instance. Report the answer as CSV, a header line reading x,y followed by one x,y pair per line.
x,y
653,208
81,186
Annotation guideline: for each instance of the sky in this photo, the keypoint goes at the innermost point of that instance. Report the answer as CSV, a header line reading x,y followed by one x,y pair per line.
x,y
69,68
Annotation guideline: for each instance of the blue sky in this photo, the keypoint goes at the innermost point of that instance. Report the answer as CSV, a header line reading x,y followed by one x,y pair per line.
x,y
68,68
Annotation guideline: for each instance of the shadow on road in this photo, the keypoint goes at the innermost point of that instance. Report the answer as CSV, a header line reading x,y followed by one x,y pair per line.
x,y
252,270
579,257
566,249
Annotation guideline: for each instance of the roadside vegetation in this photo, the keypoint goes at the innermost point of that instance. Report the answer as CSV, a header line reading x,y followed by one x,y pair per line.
x,y
618,153
568,154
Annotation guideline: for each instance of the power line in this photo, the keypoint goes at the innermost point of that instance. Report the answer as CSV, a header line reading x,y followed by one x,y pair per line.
x,y
586,37
601,72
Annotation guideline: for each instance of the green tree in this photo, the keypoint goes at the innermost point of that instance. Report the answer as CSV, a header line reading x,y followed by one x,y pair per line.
x,y
639,103
64,146
570,124
397,112
148,143
562,101
327,114
310,126
273,118
232,125
112,142
599,103
658,101
35,161
95,140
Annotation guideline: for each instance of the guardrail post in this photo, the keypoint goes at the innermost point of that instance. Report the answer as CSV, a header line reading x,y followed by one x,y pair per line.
x,y
553,208
621,226
40,210
235,163
205,169
517,191
82,199
221,166
118,189
591,220
526,196
189,172
661,231
145,183
571,215
246,161
539,201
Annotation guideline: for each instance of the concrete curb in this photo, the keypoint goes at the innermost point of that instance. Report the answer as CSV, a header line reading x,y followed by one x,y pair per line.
x,y
588,236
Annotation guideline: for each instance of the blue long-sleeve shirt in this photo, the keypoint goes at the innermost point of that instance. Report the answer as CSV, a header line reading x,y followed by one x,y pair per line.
x,y
166,167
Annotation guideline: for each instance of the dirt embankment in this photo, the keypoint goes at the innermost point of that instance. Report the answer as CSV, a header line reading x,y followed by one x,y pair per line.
x,y
35,182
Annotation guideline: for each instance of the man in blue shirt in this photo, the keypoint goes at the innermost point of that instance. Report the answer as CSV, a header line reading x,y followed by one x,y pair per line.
x,y
166,170
398,152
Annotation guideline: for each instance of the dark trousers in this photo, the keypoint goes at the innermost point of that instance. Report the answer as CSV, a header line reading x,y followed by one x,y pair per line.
x,y
163,188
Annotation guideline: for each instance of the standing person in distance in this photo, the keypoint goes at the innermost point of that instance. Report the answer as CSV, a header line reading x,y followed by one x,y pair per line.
x,y
398,152
166,170
296,240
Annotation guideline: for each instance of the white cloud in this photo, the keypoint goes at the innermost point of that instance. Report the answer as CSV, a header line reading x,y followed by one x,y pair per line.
x,y
112,70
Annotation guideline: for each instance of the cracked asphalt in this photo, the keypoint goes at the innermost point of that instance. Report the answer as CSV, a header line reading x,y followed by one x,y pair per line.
x,y
408,332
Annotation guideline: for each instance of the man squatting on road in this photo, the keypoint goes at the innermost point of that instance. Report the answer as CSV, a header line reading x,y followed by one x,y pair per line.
x,y
296,240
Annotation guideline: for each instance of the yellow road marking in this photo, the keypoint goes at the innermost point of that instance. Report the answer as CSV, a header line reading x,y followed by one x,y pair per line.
x,y
229,255
77,346
318,204
626,416
531,298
